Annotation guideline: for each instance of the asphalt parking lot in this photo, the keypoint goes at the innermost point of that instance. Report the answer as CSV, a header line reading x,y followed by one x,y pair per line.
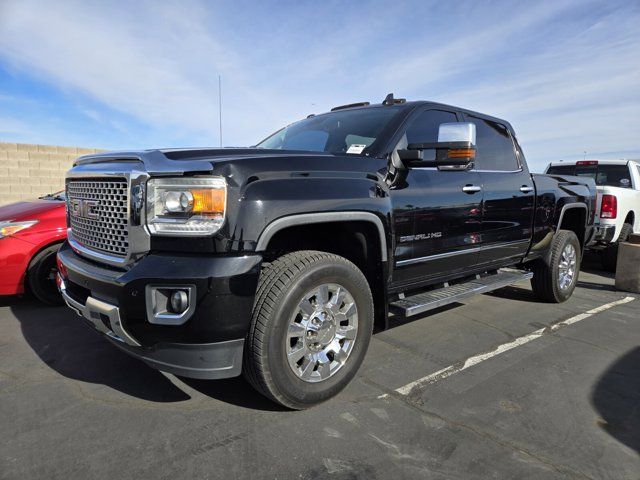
x,y
562,401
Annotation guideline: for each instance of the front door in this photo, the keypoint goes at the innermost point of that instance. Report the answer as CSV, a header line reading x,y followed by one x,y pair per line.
x,y
445,209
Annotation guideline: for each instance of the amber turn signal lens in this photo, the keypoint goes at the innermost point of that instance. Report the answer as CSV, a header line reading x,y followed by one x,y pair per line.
x,y
462,153
208,200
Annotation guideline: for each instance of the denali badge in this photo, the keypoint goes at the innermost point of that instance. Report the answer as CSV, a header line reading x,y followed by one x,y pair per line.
x,y
420,236
83,208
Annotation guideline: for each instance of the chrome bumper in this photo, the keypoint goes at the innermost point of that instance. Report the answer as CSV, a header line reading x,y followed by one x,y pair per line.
x,y
604,233
100,314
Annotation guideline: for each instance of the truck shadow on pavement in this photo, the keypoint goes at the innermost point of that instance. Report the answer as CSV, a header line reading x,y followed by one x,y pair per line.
x,y
616,397
71,348
66,344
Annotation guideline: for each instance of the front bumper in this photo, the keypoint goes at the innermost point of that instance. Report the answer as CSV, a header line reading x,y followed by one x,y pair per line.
x,y
208,345
204,361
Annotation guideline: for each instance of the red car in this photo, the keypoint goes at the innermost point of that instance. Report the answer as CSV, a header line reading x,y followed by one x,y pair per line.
x,y
30,234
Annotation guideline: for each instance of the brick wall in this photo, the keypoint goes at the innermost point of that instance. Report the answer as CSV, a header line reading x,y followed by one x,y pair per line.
x,y
30,171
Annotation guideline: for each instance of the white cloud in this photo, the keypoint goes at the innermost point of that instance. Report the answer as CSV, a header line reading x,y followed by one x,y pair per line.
x,y
563,73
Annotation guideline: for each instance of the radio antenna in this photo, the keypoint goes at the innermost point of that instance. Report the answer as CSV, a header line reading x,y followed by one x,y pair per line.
x,y
220,106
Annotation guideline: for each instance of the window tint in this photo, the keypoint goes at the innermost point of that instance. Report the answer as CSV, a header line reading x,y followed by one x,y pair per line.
x,y
424,128
612,176
308,140
334,132
495,147
604,175
561,170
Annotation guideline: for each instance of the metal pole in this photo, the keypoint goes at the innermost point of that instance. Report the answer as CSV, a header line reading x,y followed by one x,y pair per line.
x,y
220,106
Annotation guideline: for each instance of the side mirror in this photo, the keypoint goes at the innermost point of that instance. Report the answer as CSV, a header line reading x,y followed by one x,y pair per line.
x,y
455,148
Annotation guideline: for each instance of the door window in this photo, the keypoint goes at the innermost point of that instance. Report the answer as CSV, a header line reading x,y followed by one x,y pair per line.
x,y
424,128
495,150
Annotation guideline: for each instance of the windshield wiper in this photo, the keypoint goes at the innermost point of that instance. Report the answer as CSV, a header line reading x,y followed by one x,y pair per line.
x,y
51,196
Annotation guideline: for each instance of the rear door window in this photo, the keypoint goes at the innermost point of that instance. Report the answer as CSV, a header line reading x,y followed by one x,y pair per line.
x,y
495,149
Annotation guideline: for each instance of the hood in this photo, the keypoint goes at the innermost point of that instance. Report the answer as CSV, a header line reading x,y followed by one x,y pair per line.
x,y
189,159
29,210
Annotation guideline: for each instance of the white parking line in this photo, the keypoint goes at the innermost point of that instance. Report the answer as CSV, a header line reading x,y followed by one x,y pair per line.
x,y
470,362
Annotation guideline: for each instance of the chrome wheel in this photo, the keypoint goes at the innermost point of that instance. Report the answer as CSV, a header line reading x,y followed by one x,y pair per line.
x,y
321,333
567,267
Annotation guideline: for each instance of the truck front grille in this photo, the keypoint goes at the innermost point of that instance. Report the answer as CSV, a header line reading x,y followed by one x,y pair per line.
x,y
98,214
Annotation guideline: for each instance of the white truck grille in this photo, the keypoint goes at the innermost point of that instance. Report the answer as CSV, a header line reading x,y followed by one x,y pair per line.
x,y
98,214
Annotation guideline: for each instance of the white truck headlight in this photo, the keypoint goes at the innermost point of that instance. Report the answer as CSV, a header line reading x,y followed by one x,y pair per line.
x,y
186,205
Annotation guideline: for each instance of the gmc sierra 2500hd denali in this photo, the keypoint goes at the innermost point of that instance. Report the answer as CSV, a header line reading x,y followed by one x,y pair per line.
x,y
277,261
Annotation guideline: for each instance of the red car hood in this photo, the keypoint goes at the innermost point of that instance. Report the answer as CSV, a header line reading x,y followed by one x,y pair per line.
x,y
28,210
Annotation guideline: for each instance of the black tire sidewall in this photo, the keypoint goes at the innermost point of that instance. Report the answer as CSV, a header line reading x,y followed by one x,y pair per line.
x,y
37,276
294,389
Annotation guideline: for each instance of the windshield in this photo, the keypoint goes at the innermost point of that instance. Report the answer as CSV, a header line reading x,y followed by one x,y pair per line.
x,y
348,131
604,175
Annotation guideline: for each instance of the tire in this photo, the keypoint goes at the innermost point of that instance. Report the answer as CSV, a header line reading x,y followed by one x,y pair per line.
x,y
609,256
546,282
41,276
284,287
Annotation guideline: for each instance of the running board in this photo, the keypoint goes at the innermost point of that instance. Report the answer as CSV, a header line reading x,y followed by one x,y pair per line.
x,y
424,302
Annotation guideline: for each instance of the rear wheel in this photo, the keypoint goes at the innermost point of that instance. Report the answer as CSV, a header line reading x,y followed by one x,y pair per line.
x,y
555,277
609,256
41,276
311,326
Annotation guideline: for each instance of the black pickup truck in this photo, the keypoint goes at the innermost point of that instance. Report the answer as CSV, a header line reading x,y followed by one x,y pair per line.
x,y
278,261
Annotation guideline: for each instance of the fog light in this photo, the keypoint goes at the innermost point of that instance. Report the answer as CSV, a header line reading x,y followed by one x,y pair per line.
x,y
170,304
179,301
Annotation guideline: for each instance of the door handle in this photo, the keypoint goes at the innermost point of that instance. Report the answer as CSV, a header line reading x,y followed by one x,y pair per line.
x,y
526,189
471,189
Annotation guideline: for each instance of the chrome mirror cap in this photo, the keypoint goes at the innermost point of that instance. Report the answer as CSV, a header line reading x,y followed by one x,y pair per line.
x,y
457,132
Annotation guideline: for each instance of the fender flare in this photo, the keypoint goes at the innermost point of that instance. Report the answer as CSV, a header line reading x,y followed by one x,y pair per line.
x,y
571,206
323,217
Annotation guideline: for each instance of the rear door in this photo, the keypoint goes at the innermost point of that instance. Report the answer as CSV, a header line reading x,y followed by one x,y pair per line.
x,y
446,218
508,193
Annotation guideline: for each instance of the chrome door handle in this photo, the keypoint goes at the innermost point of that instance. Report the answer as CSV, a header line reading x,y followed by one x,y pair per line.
x,y
471,189
526,189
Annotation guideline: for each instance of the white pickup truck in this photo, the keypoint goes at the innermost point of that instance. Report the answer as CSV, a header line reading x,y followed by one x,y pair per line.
x,y
618,207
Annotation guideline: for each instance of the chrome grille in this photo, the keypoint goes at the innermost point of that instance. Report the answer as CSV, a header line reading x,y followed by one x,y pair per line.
x,y
102,225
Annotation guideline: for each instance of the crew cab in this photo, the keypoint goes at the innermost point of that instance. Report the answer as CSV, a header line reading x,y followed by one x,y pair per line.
x,y
277,261
618,208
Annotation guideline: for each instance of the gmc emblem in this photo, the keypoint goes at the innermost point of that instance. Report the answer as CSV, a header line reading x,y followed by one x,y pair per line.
x,y
83,208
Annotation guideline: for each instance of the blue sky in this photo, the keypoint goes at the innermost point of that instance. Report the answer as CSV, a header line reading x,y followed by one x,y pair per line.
x,y
143,74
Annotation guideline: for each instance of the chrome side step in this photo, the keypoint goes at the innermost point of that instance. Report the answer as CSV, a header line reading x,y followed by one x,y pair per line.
x,y
424,302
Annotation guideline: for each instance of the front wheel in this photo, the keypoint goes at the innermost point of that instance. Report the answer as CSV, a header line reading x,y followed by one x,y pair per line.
x,y
555,277
311,326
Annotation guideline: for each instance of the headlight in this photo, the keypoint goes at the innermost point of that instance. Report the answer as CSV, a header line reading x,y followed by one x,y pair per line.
x,y
186,206
11,228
